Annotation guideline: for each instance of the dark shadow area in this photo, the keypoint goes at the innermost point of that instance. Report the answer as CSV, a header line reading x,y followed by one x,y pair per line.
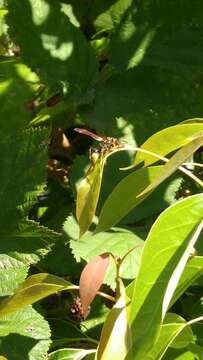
x,y
157,69
51,45
16,347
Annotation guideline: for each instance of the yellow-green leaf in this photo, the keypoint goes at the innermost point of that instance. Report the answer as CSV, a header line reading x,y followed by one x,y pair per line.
x,y
168,140
115,340
176,160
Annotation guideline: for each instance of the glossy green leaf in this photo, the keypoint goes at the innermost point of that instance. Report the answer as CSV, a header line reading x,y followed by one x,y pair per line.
x,y
175,161
34,288
126,193
12,273
118,242
116,336
192,271
173,332
88,195
167,140
165,253
70,354
24,334
191,352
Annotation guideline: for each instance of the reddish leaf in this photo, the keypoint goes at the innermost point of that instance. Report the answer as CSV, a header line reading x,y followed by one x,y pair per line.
x,y
91,280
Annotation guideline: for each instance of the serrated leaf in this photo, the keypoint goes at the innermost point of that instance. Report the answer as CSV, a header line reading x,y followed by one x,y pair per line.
x,y
28,242
175,161
166,251
18,85
12,273
24,334
61,55
116,336
141,37
118,242
23,173
126,193
35,288
164,142
70,354
91,279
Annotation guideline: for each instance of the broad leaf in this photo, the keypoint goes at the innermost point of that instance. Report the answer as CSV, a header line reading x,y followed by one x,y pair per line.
x,y
191,352
91,279
116,336
192,271
70,354
166,141
12,273
24,334
118,242
126,193
28,242
175,161
166,251
88,195
61,55
35,288
23,173
18,86
175,331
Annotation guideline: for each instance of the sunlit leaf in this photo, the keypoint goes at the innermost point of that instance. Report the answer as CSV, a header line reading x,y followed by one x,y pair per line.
x,y
70,354
166,250
175,161
125,193
88,194
175,332
164,142
35,288
192,271
24,334
116,336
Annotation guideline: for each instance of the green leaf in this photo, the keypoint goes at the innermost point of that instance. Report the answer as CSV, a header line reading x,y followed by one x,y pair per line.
x,y
28,242
23,173
118,242
165,253
24,335
174,332
193,270
164,142
18,85
175,161
61,55
192,352
173,45
126,193
12,273
34,288
116,336
88,195
70,354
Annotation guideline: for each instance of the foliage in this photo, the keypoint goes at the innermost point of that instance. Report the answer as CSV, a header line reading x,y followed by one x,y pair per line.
x,y
124,280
